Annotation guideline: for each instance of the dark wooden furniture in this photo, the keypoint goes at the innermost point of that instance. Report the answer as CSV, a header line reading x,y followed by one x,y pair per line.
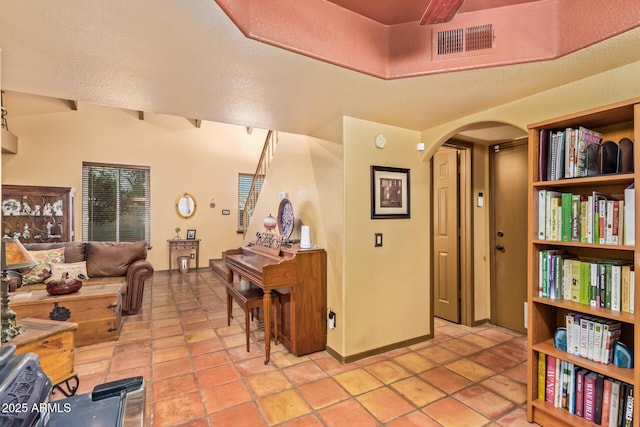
x,y
249,300
184,245
97,309
300,277
54,344
38,214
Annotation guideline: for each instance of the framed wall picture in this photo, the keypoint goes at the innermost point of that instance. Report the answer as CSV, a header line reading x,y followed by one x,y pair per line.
x,y
191,234
390,197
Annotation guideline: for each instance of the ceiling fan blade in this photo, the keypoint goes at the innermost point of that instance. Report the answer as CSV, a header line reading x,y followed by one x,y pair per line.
x,y
440,11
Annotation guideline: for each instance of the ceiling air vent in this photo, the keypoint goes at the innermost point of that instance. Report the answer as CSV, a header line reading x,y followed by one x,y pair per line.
x,y
450,41
463,41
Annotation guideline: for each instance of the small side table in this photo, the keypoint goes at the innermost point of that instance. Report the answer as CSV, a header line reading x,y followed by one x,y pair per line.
x,y
180,245
54,344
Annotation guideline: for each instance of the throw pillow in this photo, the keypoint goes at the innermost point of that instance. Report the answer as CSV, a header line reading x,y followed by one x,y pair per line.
x,y
75,270
42,271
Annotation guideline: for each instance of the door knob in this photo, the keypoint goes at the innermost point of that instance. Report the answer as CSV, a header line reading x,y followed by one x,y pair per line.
x,y
500,247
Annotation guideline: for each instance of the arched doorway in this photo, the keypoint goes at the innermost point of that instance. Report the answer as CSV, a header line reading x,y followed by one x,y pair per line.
x,y
478,298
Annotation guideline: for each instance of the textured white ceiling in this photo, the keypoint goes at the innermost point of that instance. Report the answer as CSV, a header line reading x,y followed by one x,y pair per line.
x,y
188,59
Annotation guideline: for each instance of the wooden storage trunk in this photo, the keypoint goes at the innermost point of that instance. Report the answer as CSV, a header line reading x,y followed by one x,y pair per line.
x,y
97,310
53,342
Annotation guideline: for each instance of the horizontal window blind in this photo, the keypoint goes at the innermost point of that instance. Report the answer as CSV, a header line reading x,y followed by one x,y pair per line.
x,y
244,185
115,203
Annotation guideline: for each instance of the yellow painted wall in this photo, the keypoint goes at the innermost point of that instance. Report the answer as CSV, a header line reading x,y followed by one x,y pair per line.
x,y
205,162
386,289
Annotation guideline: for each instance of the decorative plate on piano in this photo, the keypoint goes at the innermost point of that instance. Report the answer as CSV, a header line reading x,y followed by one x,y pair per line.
x,y
285,218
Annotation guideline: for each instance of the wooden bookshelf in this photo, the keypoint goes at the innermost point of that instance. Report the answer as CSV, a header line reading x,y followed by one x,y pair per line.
x,y
545,315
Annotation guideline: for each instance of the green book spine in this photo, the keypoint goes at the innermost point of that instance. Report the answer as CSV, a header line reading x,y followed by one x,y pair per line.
x,y
585,283
565,225
607,284
584,227
545,274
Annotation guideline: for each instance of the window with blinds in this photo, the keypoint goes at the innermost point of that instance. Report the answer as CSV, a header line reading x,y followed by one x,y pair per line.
x,y
115,203
244,185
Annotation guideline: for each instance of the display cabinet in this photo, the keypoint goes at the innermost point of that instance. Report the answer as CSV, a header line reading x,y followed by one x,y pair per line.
x,y
38,214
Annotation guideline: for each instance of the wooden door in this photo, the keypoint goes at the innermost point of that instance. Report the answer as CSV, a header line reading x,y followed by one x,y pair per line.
x,y
509,241
445,235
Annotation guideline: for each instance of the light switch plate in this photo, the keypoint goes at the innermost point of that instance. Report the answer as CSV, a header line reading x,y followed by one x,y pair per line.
x,y
378,240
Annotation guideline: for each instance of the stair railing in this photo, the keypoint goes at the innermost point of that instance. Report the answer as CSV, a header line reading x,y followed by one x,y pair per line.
x,y
261,170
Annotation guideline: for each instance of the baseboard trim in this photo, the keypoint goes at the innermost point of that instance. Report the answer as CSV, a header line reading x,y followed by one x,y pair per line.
x,y
481,322
376,351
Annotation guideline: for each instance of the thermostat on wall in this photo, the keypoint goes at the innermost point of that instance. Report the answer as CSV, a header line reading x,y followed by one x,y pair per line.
x,y
379,141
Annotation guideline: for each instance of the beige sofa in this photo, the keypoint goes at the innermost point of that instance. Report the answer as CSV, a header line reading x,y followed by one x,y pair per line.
x,y
106,262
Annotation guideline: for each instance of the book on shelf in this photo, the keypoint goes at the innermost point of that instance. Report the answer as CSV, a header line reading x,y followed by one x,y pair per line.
x,y
628,406
550,383
542,376
621,404
629,215
588,144
589,395
606,402
611,334
575,221
571,138
614,405
615,286
580,392
566,368
595,352
572,388
542,214
598,399
566,209
625,288
543,153
631,291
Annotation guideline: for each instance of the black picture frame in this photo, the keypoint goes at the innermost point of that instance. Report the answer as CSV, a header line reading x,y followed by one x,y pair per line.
x,y
191,234
390,193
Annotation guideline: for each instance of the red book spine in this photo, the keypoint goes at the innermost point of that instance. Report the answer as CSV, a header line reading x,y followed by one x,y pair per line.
x,y
606,401
589,395
580,392
551,379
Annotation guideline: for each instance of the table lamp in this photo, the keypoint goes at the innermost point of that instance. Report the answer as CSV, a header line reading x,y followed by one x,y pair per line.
x,y
14,256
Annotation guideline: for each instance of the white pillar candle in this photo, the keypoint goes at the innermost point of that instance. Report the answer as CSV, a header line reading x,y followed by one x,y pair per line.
x,y
305,242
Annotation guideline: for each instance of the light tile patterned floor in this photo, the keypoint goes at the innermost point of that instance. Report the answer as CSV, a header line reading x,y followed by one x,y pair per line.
x,y
199,373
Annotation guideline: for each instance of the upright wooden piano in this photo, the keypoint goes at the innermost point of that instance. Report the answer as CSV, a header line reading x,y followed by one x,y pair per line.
x,y
300,277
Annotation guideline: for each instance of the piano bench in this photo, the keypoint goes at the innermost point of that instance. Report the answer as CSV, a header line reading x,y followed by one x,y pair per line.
x,y
249,300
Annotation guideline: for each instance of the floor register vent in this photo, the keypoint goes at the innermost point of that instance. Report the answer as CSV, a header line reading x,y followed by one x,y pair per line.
x,y
470,40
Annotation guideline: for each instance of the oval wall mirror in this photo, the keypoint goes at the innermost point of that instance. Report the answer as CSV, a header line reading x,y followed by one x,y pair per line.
x,y
186,205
